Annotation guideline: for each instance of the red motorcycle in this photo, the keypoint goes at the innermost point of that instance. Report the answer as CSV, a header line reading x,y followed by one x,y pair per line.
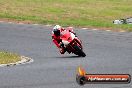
x,y
72,43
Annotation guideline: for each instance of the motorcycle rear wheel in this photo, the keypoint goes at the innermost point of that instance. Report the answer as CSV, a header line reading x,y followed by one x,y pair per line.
x,y
79,51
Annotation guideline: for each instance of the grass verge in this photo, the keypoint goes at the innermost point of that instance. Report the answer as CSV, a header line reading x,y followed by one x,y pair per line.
x,y
84,13
6,58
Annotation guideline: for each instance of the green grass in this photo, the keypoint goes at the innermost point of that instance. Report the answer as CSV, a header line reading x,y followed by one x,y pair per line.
x,y
6,58
85,13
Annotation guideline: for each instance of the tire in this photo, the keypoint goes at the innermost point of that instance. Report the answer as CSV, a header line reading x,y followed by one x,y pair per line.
x,y
79,51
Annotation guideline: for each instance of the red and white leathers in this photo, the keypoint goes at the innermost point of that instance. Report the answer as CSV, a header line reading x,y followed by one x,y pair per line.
x,y
57,40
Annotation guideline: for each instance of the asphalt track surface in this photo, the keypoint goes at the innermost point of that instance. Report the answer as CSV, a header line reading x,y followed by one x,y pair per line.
x,y
107,52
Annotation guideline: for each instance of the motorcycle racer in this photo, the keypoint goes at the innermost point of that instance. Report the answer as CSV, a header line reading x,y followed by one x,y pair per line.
x,y
56,33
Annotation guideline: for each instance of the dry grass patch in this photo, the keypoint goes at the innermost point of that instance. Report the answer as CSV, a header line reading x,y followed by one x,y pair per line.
x,y
6,58
88,13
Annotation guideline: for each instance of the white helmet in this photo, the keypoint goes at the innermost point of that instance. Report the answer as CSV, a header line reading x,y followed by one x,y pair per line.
x,y
56,30
57,27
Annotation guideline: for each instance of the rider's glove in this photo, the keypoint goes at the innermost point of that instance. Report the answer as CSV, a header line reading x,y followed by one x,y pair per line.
x,y
61,45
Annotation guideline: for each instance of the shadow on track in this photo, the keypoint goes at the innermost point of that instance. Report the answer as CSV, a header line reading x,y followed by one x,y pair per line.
x,y
68,57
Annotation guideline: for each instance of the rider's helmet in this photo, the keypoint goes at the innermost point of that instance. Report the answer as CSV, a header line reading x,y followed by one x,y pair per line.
x,y
56,30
